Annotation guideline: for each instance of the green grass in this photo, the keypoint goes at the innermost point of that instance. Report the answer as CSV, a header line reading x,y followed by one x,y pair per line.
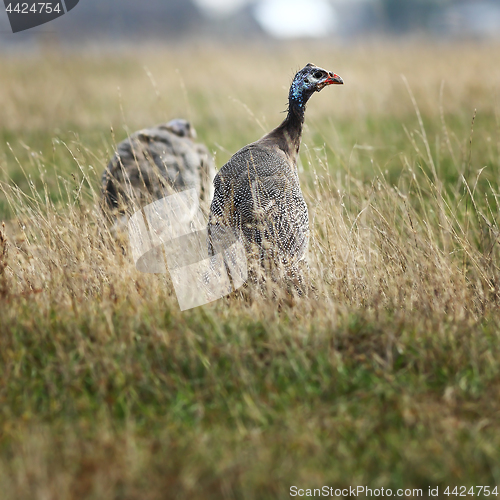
x,y
387,376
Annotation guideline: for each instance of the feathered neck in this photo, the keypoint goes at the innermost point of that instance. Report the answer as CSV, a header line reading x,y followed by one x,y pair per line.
x,y
290,130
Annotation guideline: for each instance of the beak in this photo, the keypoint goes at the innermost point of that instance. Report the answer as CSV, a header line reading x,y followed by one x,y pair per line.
x,y
334,79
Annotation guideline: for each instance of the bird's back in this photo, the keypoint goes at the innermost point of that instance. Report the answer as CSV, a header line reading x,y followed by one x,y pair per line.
x,y
153,163
257,192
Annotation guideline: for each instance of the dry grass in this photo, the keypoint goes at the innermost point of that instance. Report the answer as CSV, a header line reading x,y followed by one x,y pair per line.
x,y
389,377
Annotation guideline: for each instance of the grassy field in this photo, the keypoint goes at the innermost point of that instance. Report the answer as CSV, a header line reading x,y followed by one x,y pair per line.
x,y
388,377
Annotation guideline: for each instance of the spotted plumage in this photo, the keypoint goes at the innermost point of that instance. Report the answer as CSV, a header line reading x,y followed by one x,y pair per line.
x,y
257,192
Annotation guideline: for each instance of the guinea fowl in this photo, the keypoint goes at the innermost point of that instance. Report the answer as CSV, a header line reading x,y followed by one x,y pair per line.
x,y
153,163
257,194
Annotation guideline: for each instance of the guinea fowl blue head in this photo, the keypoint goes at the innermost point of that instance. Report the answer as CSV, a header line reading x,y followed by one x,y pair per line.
x,y
308,80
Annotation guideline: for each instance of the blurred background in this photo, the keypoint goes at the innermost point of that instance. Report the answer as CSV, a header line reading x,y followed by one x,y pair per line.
x,y
241,21
109,67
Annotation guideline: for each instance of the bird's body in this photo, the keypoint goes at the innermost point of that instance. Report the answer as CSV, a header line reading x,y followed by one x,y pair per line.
x,y
264,192
257,192
153,163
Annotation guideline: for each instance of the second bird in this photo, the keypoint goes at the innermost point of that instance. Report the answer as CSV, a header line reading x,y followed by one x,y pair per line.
x,y
257,192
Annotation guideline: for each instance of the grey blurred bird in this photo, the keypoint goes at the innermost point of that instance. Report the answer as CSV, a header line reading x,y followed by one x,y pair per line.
x,y
153,163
